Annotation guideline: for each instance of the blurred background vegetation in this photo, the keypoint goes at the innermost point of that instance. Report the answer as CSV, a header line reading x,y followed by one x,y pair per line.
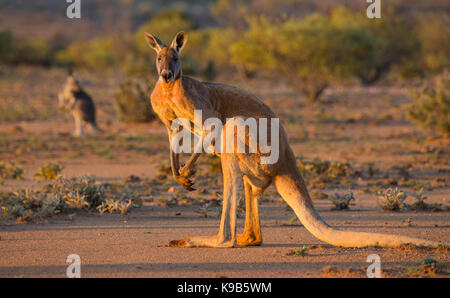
x,y
307,45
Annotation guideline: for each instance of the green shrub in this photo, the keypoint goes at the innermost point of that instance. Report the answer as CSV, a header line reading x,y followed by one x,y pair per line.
x,y
341,201
395,42
49,171
431,107
324,171
391,199
434,34
61,196
35,52
93,54
8,170
6,45
308,54
165,25
421,205
132,103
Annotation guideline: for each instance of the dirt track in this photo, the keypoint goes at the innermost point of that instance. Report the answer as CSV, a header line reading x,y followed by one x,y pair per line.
x,y
133,246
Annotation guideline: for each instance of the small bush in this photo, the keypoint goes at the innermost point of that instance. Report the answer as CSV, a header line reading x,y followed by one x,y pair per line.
x,y
298,252
10,171
49,171
431,107
391,199
132,103
421,205
82,189
63,195
111,206
341,201
324,171
67,195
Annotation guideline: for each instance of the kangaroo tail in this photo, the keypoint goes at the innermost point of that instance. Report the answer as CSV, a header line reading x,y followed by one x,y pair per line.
x,y
293,190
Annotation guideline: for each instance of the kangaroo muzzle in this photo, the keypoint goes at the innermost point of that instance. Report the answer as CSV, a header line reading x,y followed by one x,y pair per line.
x,y
166,75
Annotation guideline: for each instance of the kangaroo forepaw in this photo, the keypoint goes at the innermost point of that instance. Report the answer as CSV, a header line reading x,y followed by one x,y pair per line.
x,y
187,171
185,182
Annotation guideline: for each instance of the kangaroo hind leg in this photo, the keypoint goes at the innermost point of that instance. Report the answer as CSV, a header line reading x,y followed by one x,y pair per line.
x,y
252,232
232,178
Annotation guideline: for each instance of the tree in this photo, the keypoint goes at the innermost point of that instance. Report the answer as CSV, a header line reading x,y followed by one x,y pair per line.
x,y
308,54
395,41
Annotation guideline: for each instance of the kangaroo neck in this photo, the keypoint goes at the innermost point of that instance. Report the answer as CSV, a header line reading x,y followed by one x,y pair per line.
x,y
171,88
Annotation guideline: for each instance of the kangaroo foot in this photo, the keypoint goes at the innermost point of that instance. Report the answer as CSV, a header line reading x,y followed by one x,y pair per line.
x,y
247,239
202,241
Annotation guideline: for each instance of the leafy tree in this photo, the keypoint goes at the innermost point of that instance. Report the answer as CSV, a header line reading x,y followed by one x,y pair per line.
x,y
396,43
307,54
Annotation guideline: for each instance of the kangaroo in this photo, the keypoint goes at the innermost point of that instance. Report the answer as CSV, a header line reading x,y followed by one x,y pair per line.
x,y
177,96
74,99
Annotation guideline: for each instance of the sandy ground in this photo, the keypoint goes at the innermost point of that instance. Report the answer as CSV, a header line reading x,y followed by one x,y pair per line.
x,y
133,245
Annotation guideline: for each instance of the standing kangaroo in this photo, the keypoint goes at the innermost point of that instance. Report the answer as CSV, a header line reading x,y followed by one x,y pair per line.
x,y
74,99
177,96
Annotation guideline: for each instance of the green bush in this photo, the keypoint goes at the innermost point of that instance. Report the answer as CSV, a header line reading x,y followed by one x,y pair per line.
x,y
132,103
8,170
341,201
34,52
6,45
391,199
49,171
207,51
65,195
61,196
395,42
307,54
434,34
431,107
94,54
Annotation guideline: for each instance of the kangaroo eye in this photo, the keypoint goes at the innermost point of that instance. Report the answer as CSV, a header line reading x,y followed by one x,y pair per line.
x,y
175,59
159,59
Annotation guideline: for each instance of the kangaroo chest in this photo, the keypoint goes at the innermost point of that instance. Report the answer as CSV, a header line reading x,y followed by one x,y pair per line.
x,y
172,106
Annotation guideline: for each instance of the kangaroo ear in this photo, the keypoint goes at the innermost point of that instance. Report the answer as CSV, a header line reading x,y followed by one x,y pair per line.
x,y
179,41
154,42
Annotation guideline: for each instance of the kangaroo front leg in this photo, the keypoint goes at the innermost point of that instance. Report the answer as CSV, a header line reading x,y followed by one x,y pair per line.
x,y
252,232
227,233
175,165
188,169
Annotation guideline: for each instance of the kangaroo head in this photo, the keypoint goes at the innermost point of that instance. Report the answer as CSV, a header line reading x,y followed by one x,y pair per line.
x,y
65,97
168,62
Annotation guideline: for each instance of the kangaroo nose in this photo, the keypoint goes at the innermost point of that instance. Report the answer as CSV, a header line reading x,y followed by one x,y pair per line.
x,y
166,75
